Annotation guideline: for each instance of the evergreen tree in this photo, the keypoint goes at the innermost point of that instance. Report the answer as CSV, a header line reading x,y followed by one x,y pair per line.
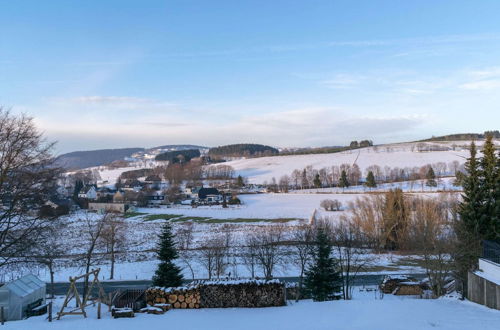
x,y
168,274
431,177
317,181
467,226
370,180
496,210
343,182
78,187
240,183
488,180
323,278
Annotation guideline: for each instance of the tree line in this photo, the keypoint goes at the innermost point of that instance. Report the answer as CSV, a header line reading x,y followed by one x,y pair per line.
x,y
347,175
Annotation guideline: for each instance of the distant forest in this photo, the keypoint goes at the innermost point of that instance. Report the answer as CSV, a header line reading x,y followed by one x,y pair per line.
x,y
82,159
464,136
179,156
243,150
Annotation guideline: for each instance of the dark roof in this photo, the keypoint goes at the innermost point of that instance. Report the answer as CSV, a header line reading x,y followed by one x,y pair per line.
x,y
202,194
86,189
153,178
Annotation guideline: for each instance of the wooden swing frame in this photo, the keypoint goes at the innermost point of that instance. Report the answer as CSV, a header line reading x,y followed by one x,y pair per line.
x,y
87,300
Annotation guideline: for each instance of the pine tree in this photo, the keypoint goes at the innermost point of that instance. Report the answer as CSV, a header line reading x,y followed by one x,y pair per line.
x,y
343,182
431,177
496,210
168,274
317,181
323,278
370,180
488,180
240,183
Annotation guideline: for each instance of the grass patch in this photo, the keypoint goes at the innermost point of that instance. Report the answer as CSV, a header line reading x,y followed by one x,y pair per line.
x,y
133,214
151,217
245,220
181,218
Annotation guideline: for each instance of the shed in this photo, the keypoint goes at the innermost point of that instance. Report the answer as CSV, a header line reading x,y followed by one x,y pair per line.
x,y
17,296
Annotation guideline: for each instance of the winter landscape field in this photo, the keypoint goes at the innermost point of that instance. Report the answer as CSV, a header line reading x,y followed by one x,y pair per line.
x,y
263,165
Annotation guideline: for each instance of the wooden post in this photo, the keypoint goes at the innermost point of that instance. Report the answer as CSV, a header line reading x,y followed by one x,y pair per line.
x,y
2,320
50,311
99,310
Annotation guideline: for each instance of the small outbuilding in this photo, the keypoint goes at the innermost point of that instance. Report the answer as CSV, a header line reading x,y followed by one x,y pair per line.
x,y
18,298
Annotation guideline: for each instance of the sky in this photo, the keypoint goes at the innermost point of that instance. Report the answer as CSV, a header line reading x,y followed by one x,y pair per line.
x,y
109,74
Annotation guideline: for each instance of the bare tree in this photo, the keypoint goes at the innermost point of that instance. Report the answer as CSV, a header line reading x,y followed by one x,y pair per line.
x,y
346,239
114,236
249,254
303,239
93,228
27,179
268,252
331,205
432,238
213,256
184,236
51,247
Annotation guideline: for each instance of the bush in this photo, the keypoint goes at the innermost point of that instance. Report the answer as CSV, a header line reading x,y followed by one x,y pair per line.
x,y
331,205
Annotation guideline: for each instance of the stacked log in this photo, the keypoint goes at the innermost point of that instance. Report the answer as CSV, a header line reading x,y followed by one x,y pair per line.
x,y
242,293
181,297
220,294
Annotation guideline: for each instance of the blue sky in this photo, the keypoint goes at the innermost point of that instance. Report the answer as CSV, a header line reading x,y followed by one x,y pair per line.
x,y
98,74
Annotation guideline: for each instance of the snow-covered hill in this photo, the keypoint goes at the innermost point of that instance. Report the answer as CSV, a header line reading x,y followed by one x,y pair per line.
x,y
258,170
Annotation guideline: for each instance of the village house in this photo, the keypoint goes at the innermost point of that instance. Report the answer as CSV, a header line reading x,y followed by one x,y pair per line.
x,y
156,198
209,196
88,192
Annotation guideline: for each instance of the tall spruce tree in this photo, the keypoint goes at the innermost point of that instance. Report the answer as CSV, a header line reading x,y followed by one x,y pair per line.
x,y
323,279
168,274
343,182
370,180
488,180
496,210
468,225
431,177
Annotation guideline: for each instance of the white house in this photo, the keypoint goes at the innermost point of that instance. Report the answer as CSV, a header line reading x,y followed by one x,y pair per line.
x,y
88,192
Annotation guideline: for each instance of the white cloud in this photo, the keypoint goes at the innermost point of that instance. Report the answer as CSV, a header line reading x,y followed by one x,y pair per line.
x,y
488,84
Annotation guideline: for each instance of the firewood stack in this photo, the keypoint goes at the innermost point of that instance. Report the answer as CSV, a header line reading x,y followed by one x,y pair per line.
x,y
220,294
181,297
242,293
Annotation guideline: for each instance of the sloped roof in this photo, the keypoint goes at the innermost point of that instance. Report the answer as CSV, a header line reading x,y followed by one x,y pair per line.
x,y
25,285
202,194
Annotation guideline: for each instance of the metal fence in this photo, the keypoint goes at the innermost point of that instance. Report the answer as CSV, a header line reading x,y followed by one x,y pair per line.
x,y
491,251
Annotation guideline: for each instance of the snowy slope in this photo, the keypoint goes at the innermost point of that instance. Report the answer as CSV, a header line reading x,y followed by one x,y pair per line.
x,y
263,169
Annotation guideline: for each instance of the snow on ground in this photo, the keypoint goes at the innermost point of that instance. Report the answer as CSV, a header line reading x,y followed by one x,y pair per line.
x,y
365,311
261,206
258,170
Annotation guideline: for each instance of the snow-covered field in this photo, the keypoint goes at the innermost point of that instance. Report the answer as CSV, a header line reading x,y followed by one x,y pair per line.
x,y
262,206
365,311
259,170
